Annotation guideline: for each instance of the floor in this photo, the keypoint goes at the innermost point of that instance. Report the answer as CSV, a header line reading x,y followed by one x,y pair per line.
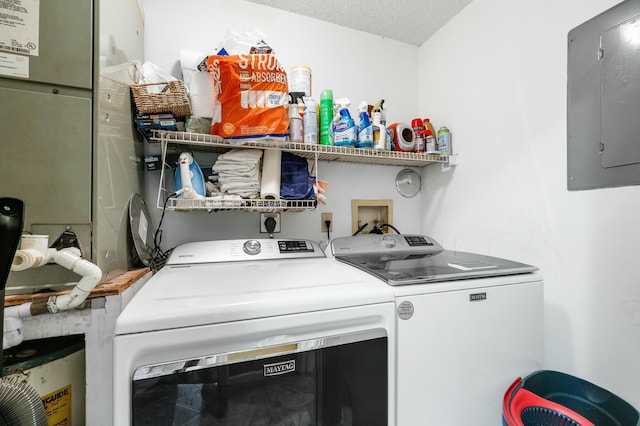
x,y
188,406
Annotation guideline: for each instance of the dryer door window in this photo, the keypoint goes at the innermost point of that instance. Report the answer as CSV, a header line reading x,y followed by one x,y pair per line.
x,y
337,382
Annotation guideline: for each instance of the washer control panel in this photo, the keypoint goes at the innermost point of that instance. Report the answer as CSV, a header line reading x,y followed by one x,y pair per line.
x,y
375,244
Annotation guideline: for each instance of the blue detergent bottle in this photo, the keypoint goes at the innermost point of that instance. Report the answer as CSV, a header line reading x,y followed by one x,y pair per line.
x,y
344,128
365,128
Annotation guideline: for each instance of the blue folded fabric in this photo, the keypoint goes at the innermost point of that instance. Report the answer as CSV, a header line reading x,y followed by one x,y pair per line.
x,y
295,182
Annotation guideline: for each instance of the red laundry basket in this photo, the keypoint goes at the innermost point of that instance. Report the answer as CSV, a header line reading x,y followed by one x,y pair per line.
x,y
551,398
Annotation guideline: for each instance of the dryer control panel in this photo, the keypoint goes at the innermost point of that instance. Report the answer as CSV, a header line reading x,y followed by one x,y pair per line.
x,y
243,250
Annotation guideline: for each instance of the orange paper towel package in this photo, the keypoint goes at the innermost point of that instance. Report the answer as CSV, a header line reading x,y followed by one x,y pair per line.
x,y
252,96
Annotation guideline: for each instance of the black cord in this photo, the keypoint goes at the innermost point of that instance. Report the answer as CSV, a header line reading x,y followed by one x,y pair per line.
x,y
328,225
158,256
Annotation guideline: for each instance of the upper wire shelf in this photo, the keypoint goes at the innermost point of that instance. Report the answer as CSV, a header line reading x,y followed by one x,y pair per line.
x,y
311,151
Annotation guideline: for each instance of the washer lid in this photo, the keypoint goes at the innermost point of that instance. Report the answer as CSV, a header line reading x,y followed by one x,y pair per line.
x,y
199,294
417,259
442,266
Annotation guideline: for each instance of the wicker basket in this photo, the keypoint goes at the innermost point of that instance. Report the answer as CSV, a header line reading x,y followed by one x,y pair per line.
x,y
173,98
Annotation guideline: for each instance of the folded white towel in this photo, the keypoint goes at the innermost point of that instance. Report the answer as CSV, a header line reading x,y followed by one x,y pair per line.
x,y
226,187
235,167
242,155
245,193
249,172
239,172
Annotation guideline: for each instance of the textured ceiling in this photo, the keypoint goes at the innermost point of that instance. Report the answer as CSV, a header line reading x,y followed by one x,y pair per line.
x,y
409,21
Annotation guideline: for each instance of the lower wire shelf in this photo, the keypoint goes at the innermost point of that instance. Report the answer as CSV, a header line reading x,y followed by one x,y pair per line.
x,y
219,204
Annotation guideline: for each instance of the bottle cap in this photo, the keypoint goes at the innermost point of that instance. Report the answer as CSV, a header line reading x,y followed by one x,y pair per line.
x,y
417,122
310,103
326,94
342,103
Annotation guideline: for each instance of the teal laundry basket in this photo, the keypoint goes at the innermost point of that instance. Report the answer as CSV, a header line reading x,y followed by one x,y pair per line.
x,y
551,398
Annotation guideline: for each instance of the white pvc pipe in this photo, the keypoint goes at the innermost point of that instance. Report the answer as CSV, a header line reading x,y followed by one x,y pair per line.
x,y
12,326
91,276
30,258
70,259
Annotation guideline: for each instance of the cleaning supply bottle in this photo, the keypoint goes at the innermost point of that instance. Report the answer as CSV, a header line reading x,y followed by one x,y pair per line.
x,y
379,106
430,144
444,141
379,132
429,126
310,121
383,120
418,129
326,117
365,129
344,129
295,124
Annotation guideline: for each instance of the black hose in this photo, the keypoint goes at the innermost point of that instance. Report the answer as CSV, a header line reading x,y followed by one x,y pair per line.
x,y
390,226
360,229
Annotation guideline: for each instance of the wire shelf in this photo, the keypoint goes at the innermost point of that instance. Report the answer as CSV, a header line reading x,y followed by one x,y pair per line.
x,y
321,152
218,204
213,143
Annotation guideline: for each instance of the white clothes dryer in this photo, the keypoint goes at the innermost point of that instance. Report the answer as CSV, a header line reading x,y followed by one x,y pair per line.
x,y
256,332
467,325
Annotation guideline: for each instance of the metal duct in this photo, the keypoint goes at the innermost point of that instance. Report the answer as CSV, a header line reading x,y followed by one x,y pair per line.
x,y
20,404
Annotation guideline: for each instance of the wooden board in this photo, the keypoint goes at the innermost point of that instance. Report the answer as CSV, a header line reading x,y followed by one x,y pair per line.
x,y
112,285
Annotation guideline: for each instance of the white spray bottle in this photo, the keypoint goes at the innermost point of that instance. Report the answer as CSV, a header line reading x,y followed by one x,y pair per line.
x,y
310,121
379,132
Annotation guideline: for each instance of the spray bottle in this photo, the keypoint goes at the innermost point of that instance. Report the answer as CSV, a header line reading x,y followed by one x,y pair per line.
x,y
344,129
379,132
295,123
365,129
379,106
310,121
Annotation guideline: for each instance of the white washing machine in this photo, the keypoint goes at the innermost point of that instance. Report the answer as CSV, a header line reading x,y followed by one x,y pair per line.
x,y
256,332
467,325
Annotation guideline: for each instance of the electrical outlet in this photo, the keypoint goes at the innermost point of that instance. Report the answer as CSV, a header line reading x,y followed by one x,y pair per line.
x,y
324,218
263,218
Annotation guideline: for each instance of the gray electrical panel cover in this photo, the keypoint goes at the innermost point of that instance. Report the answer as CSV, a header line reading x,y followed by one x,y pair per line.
x,y
603,100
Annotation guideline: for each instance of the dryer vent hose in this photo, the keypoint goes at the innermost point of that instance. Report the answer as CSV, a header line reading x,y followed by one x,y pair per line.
x,y
20,404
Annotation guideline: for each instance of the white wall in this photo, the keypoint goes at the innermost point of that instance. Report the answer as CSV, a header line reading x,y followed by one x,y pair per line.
x,y
351,63
496,75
